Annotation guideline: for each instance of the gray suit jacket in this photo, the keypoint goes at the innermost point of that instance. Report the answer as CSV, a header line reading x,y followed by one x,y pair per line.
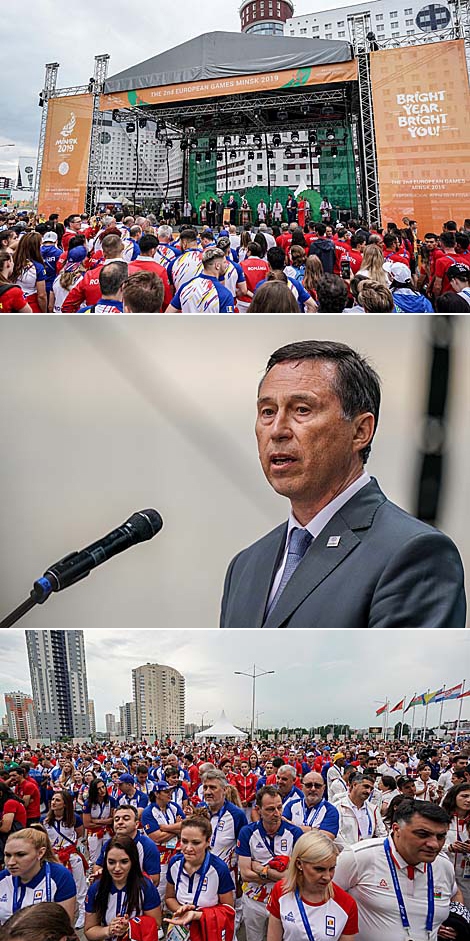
x,y
388,570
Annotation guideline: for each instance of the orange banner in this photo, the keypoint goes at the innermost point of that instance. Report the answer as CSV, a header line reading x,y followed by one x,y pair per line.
x,y
421,101
234,85
66,155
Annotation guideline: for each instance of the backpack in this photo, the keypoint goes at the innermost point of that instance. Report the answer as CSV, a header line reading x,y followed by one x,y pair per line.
x,y
325,251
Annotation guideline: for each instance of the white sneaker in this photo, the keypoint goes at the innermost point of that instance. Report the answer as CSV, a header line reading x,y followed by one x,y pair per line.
x,y
81,921
161,934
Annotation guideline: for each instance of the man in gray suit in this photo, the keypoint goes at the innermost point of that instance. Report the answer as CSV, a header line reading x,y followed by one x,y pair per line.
x,y
347,557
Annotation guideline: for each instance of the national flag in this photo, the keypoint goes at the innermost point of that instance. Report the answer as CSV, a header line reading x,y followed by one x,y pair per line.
x,y
382,709
398,706
463,695
301,187
431,697
418,700
452,693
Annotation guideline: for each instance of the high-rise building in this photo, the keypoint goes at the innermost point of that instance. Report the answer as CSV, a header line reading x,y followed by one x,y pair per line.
x,y
389,19
110,724
159,694
20,716
59,682
91,716
128,720
134,160
265,17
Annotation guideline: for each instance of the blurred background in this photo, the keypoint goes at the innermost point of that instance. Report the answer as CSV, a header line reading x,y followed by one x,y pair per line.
x,y
101,417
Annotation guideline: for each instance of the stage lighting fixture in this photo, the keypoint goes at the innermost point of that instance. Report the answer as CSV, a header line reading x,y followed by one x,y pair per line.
x,y
288,153
304,109
193,143
317,151
198,158
242,140
270,154
227,139
184,144
282,115
130,127
276,140
220,155
334,151
312,136
168,143
161,125
233,155
330,133
142,122
257,140
251,155
295,137
115,114
326,110
304,152
41,100
208,156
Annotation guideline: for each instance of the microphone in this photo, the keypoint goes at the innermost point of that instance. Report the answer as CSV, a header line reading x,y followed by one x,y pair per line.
x,y
72,568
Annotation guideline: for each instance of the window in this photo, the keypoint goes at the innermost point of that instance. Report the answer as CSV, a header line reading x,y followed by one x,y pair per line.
x,y
260,177
409,23
260,157
395,25
292,32
328,25
328,36
340,24
379,17
409,32
393,15
341,34
285,177
408,12
395,35
303,32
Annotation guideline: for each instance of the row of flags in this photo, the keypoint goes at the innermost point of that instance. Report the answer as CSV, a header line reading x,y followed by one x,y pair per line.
x,y
424,699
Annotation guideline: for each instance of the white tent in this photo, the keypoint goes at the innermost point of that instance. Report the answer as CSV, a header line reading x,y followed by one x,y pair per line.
x,y
221,729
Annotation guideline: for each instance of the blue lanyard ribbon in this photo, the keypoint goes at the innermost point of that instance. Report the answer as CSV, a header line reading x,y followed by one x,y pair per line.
x,y
219,817
202,876
307,812
268,842
20,889
399,894
303,915
121,905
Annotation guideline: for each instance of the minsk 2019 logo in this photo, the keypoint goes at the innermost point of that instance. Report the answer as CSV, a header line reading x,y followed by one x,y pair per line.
x,y
66,142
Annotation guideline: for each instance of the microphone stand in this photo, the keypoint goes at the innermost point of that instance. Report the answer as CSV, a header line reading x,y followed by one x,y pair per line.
x,y
38,595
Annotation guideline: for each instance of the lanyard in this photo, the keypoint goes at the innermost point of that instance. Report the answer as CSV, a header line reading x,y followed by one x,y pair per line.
x,y
18,896
303,915
202,876
121,903
399,894
219,817
268,842
369,825
307,812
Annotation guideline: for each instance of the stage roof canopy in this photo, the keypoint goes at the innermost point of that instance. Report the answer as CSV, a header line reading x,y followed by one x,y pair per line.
x,y
221,55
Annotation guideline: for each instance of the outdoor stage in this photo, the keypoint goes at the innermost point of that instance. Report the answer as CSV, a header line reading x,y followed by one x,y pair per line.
x,y
384,131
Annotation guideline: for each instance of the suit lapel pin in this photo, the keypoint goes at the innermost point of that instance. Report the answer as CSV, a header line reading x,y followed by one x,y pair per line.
x,y
333,541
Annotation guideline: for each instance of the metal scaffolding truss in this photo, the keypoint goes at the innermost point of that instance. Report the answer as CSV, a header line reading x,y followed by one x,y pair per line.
x,y
47,92
94,166
360,30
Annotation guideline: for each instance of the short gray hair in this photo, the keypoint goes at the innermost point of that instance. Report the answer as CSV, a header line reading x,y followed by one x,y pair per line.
x,y
165,232
215,775
288,768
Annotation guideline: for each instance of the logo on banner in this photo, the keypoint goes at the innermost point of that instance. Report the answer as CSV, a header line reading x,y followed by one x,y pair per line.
x,y
66,143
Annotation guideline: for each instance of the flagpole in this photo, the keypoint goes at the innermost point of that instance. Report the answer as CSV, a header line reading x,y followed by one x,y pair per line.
x,y
402,716
442,706
413,724
457,728
425,716
387,703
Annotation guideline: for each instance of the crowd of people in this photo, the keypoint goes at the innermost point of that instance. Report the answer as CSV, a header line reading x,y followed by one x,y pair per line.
x,y
116,263
296,841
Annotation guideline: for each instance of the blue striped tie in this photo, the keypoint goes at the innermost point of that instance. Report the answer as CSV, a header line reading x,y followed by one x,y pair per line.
x,y
300,540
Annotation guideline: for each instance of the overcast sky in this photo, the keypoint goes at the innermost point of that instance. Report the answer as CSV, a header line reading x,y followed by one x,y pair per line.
x,y
41,31
320,676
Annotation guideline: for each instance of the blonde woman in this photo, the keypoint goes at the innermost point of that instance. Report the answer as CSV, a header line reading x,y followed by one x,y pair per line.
x,y
313,273
373,265
33,875
306,903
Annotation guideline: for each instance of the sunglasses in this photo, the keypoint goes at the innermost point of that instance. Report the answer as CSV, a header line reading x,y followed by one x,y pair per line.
x,y
316,786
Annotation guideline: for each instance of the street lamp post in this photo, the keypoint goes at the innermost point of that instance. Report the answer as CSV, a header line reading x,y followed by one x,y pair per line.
x,y
253,676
